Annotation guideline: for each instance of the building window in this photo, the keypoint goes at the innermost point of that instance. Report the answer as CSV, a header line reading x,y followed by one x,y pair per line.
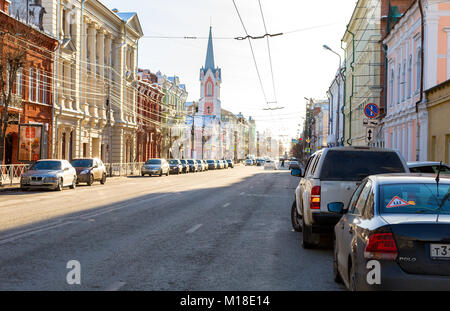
x,y
410,76
31,92
391,86
209,89
38,87
44,91
19,82
418,69
399,78
404,82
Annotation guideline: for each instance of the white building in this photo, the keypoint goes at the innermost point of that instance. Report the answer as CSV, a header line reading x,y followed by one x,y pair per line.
x,y
336,120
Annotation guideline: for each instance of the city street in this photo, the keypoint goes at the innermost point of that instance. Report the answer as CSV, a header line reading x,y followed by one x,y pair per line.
x,y
218,230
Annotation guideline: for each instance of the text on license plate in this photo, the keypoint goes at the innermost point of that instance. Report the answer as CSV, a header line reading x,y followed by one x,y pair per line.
x,y
440,250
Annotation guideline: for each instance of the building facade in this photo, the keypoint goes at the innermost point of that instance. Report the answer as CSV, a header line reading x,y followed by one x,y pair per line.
x,y
409,62
438,106
149,109
29,126
335,120
94,78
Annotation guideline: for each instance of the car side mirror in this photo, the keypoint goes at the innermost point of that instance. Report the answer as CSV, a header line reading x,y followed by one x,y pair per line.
x,y
336,207
296,172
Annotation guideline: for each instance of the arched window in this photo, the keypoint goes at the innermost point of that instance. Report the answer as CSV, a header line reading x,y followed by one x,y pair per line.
x,y
418,69
209,89
410,76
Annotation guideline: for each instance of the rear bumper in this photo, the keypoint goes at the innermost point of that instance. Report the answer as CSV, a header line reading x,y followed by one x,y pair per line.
x,y
393,278
324,222
83,177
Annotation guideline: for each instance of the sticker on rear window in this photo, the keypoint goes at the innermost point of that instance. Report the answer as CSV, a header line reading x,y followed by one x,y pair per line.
x,y
397,202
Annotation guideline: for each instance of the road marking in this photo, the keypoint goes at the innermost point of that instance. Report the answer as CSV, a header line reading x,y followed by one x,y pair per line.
x,y
193,229
115,286
242,193
226,205
21,235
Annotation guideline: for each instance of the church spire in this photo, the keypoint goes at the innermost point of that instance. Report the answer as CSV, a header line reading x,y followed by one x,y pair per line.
x,y
209,64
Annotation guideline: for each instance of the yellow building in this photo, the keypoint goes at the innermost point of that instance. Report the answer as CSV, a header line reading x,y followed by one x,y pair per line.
x,y
438,106
361,43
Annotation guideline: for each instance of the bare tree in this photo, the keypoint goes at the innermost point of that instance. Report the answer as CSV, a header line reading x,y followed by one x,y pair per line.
x,y
12,60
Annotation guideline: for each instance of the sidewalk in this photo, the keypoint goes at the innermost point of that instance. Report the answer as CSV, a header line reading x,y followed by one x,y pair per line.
x,y
14,187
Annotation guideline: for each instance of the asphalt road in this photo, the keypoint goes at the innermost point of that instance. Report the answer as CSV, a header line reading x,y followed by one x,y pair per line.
x,y
218,230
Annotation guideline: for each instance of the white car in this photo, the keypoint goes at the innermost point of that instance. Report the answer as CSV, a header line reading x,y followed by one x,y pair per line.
x,y
49,174
270,165
332,175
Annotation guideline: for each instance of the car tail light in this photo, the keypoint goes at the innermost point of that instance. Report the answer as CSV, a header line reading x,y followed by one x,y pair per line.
x,y
381,246
315,198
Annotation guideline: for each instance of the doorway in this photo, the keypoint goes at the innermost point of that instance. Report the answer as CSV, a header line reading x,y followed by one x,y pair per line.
x,y
9,149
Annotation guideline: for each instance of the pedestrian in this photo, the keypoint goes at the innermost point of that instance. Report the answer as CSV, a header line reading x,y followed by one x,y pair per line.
x,y
282,162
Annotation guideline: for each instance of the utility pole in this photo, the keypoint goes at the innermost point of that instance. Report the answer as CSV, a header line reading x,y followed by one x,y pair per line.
x,y
194,110
108,109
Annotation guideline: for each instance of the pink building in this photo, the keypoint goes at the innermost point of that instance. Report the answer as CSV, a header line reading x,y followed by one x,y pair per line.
x,y
406,121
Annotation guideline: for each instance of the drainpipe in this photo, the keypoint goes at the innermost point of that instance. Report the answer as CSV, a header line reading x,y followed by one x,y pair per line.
x,y
421,80
344,79
55,89
353,86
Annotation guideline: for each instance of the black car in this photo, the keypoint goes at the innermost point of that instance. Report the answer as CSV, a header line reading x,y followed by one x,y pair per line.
x,y
395,234
193,165
230,163
211,164
175,167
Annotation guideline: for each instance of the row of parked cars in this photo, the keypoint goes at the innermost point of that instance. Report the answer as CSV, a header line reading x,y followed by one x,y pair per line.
x,y
377,208
162,167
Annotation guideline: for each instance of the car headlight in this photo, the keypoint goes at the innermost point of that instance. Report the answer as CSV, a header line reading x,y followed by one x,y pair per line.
x,y
51,178
84,172
25,179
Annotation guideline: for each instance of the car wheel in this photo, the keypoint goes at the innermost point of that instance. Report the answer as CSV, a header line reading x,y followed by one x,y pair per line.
x,y
160,174
24,189
142,174
74,183
295,218
91,180
59,187
336,274
103,181
167,174
306,241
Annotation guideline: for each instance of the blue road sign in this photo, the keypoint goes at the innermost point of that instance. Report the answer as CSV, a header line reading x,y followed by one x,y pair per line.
x,y
372,111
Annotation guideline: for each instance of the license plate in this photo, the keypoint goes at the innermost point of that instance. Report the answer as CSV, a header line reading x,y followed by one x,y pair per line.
x,y
36,183
440,251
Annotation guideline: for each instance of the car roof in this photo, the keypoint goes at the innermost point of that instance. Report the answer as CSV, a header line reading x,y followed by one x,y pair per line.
x,y
409,178
424,163
51,160
357,148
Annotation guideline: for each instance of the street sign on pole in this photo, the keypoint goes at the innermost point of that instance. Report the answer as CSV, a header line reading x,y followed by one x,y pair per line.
x,y
371,123
370,135
372,111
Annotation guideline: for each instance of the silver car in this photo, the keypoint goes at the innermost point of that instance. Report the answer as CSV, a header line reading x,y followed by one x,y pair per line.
x,y
49,174
156,167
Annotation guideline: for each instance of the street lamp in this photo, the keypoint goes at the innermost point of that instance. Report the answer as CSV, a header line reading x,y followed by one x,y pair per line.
x,y
336,139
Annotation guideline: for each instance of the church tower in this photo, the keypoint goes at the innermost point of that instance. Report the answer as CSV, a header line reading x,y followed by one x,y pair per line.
x,y
210,80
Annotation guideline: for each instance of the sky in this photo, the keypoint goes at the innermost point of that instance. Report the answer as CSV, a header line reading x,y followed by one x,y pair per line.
x,y
301,67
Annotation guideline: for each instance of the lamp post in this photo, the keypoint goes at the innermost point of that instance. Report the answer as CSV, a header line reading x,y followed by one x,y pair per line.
x,y
336,139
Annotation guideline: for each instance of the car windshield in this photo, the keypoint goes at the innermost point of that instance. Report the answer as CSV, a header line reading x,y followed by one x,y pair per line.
x,y
183,161
415,199
173,161
82,163
153,162
430,169
191,161
46,166
210,161
357,165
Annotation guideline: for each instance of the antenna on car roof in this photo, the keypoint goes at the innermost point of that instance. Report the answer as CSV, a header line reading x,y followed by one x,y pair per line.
x,y
438,178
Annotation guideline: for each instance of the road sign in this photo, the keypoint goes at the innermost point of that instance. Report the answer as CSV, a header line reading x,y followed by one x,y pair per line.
x,y
295,141
371,122
370,135
372,111
308,140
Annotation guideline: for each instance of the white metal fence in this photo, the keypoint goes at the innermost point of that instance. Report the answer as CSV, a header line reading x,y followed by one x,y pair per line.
x,y
10,174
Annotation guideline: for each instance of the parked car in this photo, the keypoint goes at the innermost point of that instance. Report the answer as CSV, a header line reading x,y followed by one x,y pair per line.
x,y
270,165
193,165
89,170
49,174
175,167
294,164
186,166
230,163
155,167
219,164
428,167
201,166
260,162
212,165
205,164
331,175
224,164
248,162
403,222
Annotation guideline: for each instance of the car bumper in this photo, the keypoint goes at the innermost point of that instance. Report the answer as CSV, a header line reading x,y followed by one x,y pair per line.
x,y
175,170
83,178
324,222
151,172
393,278
46,185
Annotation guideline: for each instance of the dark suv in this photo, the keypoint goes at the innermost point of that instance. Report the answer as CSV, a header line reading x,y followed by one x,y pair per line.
x,y
89,170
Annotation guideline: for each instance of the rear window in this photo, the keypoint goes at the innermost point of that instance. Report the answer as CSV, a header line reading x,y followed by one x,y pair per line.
x,y
430,169
415,199
154,162
357,165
